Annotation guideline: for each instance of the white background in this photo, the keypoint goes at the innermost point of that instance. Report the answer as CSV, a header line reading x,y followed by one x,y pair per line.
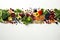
x,y
32,31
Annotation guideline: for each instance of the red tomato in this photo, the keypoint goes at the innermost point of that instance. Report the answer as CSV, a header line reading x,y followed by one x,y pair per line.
x,y
40,12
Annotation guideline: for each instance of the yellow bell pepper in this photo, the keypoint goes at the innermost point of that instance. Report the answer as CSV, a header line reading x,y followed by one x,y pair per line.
x,y
36,14
10,18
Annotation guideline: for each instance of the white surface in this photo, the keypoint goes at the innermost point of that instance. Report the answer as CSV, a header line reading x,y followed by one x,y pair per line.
x,y
29,3
32,31
29,32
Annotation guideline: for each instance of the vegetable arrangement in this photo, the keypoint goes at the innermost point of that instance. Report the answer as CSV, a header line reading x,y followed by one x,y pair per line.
x,y
38,16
